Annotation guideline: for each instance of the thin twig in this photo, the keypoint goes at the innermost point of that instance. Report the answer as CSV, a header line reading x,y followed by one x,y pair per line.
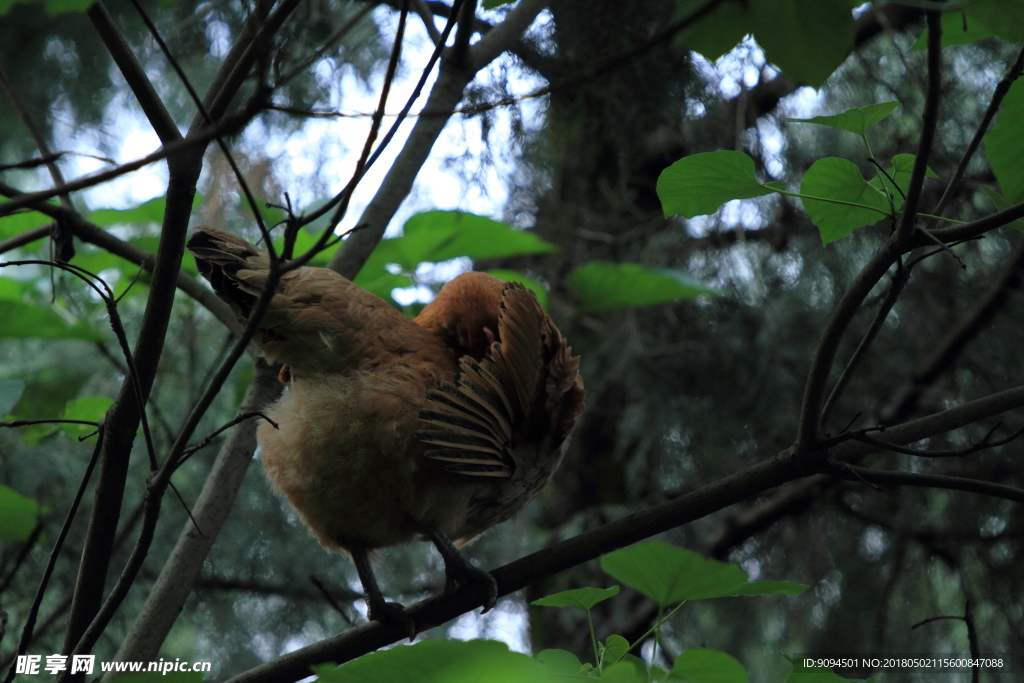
x,y
250,198
997,99
427,70
26,548
330,598
188,452
939,481
952,453
33,612
896,285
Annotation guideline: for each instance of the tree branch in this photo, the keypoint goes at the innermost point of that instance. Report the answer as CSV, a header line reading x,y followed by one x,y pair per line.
x,y
181,570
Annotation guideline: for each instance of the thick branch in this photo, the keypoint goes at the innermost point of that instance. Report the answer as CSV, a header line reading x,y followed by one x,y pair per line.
x,y
134,74
444,97
181,570
123,418
630,529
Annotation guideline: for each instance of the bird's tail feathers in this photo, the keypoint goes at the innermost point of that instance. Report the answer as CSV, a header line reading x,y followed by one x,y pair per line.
x,y
236,269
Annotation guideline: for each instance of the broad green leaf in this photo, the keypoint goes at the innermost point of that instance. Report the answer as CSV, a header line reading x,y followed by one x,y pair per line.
x,y
1004,145
708,666
89,408
957,29
700,183
1001,205
578,597
491,4
437,661
526,281
22,320
1004,18
12,290
64,6
900,172
17,223
717,32
605,286
615,647
839,179
807,39
904,163
819,676
856,121
10,392
624,672
147,213
669,575
443,235
559,662
18,516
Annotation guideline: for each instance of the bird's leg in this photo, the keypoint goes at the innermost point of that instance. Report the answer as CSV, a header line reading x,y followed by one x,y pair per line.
x,y
378,608
457,569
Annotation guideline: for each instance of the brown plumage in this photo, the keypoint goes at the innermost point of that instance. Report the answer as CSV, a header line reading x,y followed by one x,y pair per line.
x,y
395,429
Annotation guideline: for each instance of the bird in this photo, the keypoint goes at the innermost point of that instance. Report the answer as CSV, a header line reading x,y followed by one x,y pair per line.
x,y
394,429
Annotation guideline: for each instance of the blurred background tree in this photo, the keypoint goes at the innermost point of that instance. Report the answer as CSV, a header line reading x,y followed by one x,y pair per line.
x,y
564,135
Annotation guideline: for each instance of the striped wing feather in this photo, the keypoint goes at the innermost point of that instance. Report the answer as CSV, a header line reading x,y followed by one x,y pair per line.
x,y
494,403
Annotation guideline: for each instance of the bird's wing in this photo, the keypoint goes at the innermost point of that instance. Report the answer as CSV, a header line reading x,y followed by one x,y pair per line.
x,y
317,320
526,391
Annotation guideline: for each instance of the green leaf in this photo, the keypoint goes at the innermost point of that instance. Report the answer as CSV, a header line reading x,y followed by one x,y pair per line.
x,y
88,408
900,172
1003,18
839,179
605,286
10,392
23,320
526,281
17,223
708,666
957,29
1004,146
578,597
615,647
491,4
437,661
559,662
624,672
18,516
443,235
700,183
856,121
807,39
1001,205
669,575
904,163
717,32
817,676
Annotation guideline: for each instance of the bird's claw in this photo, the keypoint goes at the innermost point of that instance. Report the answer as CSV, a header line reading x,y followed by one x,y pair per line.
x,y
463,574
392,612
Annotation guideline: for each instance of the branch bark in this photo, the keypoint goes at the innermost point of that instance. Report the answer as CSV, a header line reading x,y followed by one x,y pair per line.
x,y
181,570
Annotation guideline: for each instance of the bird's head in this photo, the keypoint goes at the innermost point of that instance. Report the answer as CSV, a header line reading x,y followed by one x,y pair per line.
x,y
465,313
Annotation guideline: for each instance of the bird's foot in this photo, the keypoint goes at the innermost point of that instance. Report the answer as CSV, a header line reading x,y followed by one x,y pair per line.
x,y
464,573
385,612
459,570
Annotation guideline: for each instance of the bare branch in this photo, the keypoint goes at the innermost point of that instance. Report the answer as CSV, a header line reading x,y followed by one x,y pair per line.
x,y
937,481
180,572
905,229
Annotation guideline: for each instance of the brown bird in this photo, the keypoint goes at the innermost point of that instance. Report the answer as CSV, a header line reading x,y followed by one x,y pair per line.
x,y
394,429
